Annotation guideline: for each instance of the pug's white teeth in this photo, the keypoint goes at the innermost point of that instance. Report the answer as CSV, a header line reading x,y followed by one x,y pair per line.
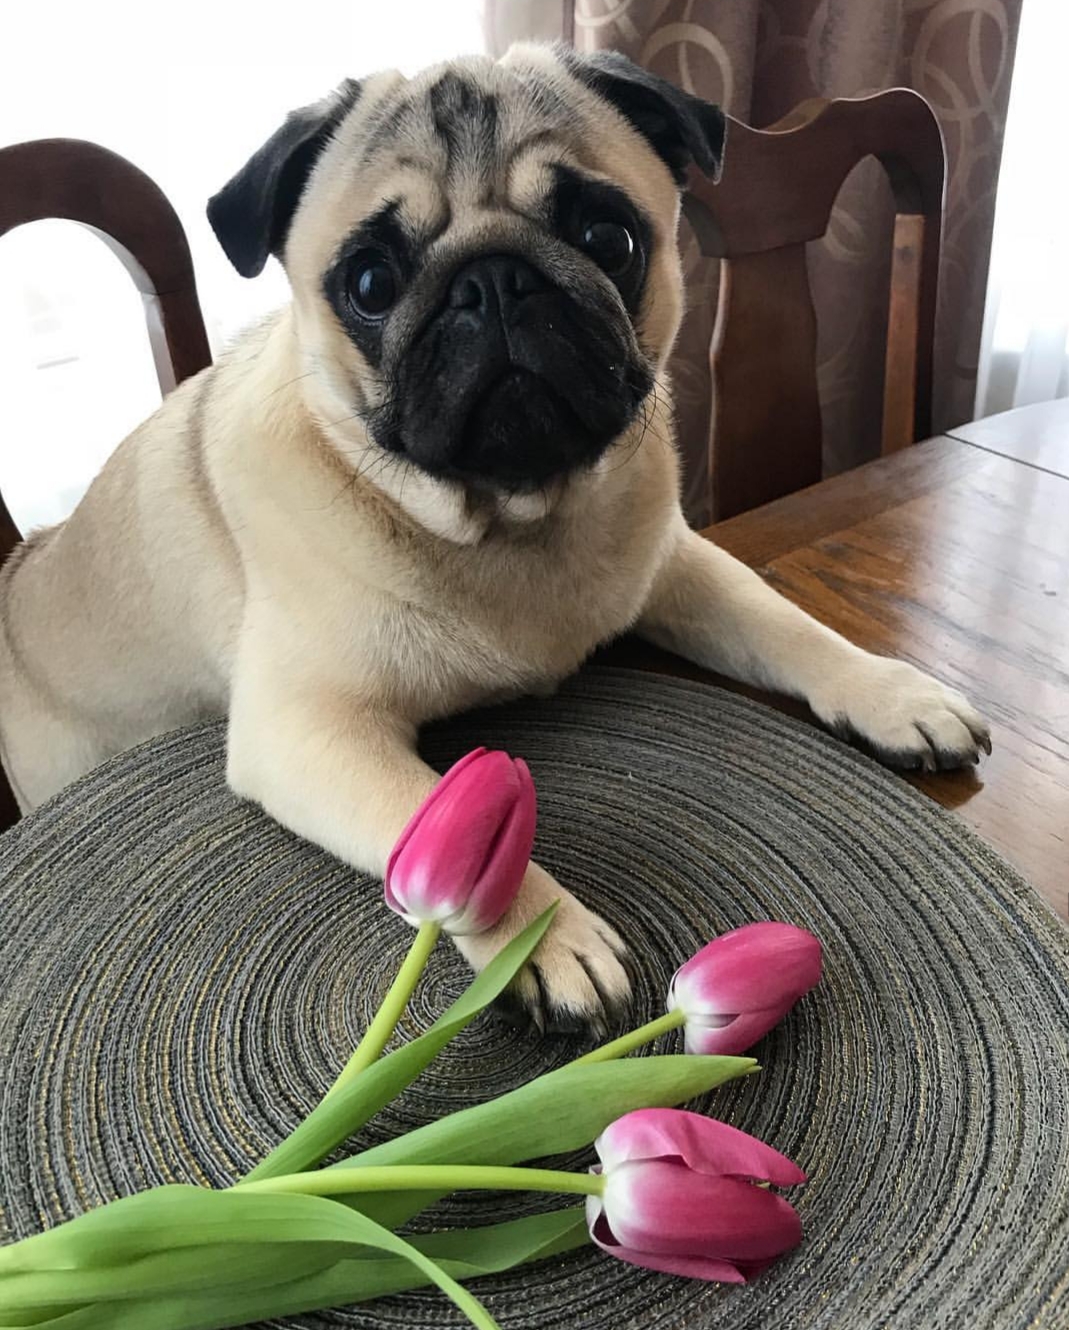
x,y
533,507
524,507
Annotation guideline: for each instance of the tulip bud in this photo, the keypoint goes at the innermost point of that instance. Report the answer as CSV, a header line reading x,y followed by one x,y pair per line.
x,y
741,984
680,1196
460,860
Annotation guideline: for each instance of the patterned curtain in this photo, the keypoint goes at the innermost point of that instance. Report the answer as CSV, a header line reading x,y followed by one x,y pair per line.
x,y
758,59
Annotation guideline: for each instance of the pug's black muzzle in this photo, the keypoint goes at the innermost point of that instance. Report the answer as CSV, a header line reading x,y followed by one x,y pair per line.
x,y
513,381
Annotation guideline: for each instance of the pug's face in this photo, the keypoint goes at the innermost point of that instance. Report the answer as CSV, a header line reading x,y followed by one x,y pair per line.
x,y
482,258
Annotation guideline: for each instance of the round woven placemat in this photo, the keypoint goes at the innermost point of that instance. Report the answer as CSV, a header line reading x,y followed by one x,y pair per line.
x,y
181,979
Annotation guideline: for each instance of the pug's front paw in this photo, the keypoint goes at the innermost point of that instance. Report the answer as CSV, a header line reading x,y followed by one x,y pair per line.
x,y
576,981
904,717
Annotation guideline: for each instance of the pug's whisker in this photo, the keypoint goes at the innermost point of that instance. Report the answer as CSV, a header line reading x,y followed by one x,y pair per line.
x,y
374,468
401,492
345,420
288,384
631,454
661,414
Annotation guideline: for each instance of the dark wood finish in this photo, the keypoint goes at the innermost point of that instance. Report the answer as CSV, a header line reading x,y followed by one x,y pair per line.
x,y
765,318
868,491
10,535
900,393
9,809
956,559
777,192
81,182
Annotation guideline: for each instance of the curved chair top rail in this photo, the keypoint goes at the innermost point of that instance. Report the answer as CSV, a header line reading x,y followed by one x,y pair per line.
x,y
779,184
82,182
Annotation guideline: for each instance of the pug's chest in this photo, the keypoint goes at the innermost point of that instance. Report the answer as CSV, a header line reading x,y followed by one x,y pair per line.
x,y
522,632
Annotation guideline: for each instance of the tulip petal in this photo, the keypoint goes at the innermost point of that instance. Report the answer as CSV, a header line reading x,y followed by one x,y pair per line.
x,y
692,1267
507,859
729,1036
462,856
434,865
447,779
702,1143
754,968
667,1209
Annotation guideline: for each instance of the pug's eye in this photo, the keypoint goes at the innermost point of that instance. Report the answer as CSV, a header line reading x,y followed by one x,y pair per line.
x,y
610,245
372,286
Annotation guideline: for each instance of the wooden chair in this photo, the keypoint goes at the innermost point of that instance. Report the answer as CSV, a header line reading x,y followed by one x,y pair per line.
x,y
81,182
776,193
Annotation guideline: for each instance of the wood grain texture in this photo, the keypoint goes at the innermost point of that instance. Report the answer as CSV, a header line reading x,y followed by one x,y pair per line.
x,y
779,184
1037,435
759,536
956,559
764,367
907,387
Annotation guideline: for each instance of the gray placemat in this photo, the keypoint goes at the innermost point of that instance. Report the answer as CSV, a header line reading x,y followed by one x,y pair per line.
x,y
181,979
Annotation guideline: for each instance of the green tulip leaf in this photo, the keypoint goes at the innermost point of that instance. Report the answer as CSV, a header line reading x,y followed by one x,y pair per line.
x,y
172,1217
182,1269
343,1113
213,1228
458,1253
562,1110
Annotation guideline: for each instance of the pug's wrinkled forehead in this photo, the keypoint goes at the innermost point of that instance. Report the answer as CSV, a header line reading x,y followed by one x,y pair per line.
x,y
471,135
465,123
452,151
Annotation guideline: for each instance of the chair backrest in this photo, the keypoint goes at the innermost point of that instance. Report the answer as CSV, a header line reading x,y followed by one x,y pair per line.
x,y
776,194
81,182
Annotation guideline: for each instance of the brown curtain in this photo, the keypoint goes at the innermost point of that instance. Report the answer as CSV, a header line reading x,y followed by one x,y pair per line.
x,y
759,58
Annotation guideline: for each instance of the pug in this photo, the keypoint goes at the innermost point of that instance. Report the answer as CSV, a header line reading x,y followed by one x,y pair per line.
x,y
441,476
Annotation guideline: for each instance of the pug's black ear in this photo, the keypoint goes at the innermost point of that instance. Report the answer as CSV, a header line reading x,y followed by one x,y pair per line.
x,y
680,127
251,214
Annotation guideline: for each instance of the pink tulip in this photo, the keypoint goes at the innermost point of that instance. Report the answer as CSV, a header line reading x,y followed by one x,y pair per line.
x,y
741,984
680,1197
460,860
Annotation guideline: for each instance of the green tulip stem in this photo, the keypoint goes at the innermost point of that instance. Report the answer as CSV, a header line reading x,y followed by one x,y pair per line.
x,y
430,1177
627,1043
378,1033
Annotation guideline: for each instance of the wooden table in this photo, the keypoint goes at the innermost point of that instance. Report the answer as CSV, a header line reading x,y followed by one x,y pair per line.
x,y
953,554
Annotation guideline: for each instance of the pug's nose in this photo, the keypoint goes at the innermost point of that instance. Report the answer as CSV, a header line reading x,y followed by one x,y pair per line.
x,y
495,281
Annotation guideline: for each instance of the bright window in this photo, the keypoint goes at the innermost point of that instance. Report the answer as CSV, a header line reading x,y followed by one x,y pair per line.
x,y
1025,351
186,93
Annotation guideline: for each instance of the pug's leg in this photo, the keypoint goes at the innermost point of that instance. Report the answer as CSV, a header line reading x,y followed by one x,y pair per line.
x,y
711,608
349,779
